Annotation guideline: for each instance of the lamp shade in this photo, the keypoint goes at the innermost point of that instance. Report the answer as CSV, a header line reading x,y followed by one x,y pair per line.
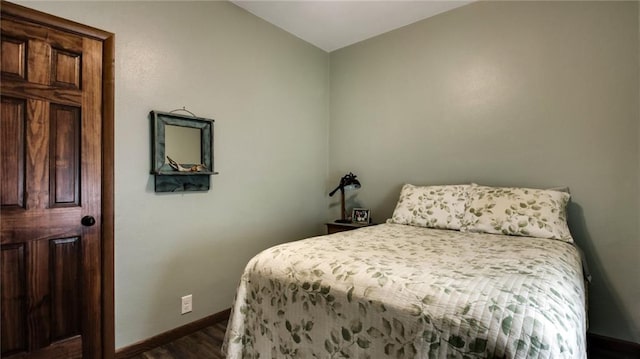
x,y
348,181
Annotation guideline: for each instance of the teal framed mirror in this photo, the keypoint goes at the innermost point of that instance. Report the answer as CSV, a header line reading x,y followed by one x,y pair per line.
x,y
181,152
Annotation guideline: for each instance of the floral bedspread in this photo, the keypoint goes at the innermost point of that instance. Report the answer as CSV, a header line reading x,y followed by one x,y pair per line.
x,y
398,291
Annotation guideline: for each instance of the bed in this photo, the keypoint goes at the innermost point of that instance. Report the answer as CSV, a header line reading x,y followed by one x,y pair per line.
x,y
455,273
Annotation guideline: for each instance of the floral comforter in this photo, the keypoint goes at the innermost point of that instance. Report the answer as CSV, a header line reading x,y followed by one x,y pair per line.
x,y
397,291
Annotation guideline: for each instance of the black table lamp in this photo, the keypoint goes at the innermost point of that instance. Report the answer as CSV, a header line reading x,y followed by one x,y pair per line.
x,y
349,181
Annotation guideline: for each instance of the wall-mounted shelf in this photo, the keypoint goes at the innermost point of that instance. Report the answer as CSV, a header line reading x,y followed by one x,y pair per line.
x,y
164,173
190,140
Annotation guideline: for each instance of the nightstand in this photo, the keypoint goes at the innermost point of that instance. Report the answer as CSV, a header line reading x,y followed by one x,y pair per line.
x,y
334,227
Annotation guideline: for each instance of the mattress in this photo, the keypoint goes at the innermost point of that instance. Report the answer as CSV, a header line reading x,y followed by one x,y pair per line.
x,y
399,291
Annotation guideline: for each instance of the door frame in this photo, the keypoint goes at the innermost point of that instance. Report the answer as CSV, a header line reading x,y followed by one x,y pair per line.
x,y
11,10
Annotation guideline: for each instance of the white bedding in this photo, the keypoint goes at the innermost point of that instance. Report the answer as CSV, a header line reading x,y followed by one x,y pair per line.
x,y
398,291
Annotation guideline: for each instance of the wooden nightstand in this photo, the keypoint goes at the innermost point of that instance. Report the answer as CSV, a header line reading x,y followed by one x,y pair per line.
x,y
334,227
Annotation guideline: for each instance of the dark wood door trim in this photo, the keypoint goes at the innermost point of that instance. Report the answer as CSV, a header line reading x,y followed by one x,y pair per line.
x,y
35,16
11,10
108,200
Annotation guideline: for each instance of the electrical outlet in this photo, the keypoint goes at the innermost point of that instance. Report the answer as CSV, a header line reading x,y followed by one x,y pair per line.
x,y
187,304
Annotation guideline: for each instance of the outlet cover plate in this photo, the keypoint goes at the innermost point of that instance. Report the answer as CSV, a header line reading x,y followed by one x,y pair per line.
x,y
187,304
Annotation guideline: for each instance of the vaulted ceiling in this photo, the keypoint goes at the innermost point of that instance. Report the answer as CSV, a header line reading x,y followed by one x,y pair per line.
x,y
331,25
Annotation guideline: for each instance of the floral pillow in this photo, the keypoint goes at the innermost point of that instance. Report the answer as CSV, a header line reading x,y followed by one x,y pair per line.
x,y
518,211
431,206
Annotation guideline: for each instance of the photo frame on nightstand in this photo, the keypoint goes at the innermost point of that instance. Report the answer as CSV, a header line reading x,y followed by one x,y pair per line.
x,y
361,216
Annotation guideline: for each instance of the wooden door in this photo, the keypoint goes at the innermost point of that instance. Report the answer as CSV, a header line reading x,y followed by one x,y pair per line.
x,y
50,192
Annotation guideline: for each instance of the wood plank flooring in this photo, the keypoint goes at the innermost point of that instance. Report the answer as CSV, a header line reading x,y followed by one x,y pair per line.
x,y
205,343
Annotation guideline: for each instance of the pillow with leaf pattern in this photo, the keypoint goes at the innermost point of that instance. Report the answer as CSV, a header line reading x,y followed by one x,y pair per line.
x,y
431,206
518,211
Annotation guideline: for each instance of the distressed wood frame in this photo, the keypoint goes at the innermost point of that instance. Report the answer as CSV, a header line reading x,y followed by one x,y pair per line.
x,y
166,178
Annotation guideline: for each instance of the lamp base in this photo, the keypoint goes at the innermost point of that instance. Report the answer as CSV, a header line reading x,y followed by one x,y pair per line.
x,y
342,221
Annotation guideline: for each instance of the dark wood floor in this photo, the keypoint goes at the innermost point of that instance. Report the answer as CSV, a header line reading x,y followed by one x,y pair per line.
x,y
207,342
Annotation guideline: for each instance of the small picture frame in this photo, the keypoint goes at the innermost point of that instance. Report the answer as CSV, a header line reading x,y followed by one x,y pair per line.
x,y
361,216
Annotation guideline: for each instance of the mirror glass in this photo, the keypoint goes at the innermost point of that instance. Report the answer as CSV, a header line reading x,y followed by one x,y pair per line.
x,y
182,144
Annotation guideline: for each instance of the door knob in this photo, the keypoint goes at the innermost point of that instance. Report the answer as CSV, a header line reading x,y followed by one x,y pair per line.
x,y
88,221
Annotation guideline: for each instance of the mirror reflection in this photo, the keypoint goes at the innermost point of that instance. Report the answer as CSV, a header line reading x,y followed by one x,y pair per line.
x,y
182,144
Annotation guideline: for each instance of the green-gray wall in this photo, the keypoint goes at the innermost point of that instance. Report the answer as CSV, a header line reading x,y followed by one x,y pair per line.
x,y
536,94
525,93
267,91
